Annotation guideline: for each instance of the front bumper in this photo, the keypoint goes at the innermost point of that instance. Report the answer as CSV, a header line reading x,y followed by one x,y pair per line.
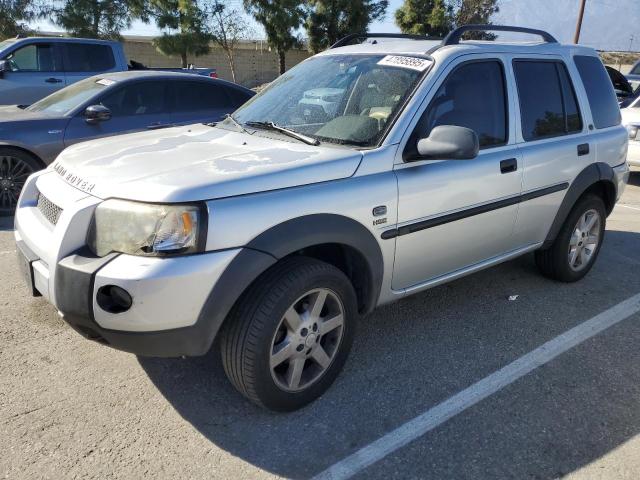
x,y
168,295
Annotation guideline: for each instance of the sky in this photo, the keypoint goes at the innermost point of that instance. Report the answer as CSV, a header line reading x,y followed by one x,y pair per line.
x,y
608,24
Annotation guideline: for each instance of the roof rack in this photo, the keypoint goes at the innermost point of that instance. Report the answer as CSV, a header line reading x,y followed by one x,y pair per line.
x,y
354,36
454,37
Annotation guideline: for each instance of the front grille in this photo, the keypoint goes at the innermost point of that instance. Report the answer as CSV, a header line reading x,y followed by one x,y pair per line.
x,y
49,209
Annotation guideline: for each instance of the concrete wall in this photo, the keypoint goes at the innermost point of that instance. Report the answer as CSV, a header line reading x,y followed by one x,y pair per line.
x,y
255,64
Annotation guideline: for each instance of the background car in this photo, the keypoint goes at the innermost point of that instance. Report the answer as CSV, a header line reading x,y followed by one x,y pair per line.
x,y
32,68
631,120
104,105
634,73
621,85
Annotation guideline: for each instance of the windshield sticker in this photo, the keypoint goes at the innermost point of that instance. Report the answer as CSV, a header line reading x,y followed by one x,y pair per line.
x,y
414,63
106,82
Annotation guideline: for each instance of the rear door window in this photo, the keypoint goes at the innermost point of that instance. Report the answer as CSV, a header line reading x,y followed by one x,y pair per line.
x,y
201,96
87,57
548,105
602,97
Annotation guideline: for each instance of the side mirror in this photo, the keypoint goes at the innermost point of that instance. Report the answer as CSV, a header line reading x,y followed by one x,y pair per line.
x,y
96,114
449,142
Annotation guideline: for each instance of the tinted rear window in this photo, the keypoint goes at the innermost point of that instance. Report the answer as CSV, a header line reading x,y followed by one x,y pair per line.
x,y
81,57
199,96
548,105
602,98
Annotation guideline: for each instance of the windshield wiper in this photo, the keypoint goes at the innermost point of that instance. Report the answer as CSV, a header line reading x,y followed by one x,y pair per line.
x,y
236,122
285,131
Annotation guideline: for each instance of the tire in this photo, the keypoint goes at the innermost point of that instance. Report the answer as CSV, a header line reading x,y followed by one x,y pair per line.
x,y
15,168
267,320
573,253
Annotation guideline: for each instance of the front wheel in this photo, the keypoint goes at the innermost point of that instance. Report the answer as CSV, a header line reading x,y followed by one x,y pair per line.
x,y
288,338
578,243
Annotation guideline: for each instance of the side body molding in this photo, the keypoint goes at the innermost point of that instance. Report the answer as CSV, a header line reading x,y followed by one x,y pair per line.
x,y
594,173
278,242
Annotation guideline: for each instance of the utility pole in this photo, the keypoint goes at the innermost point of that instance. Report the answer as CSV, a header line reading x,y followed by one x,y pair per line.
x,y
576,37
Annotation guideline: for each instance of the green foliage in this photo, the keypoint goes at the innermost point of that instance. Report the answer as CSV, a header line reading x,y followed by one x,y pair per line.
x,y
183,23
15,16
439,17
96,18
330,20
280,19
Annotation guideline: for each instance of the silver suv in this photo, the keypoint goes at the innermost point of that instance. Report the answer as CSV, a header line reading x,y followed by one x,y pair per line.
x,y
275,230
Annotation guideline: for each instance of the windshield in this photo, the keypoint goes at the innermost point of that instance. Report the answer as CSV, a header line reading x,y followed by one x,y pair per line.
x,y
634,71
67,99
345,99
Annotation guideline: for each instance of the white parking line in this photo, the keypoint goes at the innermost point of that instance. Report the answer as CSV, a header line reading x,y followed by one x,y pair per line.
x,y
439,414
7,252
629,206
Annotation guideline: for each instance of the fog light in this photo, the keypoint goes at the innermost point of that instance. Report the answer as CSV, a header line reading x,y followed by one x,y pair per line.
x,y
113,299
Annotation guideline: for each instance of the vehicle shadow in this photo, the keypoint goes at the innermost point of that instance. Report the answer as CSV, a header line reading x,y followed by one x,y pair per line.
x,y
414,354
6,223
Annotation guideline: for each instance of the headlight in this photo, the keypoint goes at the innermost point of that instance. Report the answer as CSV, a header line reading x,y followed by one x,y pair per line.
x,y
633,131
145,229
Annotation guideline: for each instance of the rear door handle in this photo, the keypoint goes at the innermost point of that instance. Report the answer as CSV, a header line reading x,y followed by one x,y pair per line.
x,y
53,80
508,166
583,149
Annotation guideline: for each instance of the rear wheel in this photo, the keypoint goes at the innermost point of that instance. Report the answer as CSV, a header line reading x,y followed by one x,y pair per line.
x,y
15,168
287,340
578,243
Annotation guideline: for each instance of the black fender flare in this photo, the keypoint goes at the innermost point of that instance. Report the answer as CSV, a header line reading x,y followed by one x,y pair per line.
x,y
594,173
276,243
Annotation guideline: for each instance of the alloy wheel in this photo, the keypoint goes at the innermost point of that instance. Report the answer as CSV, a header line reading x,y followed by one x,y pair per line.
x,y
584,240
307,340
13,175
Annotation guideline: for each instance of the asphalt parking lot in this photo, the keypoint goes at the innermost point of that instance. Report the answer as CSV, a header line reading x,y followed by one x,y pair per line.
x,y
70,408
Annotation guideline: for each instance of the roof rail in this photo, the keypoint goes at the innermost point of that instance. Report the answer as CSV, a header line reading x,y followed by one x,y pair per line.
x,y
454,37
349,38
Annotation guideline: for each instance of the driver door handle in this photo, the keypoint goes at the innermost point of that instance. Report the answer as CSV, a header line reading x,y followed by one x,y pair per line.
x,y
508,166
53,80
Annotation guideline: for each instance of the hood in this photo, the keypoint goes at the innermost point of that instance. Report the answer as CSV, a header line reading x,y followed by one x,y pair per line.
x,y
198,162
11,113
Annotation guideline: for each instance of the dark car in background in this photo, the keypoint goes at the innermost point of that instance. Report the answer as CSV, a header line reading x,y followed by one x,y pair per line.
x,y
104,105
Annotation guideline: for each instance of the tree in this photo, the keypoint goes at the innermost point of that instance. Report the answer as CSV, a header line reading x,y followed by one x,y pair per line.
x,y
439,17
227,28
97,18
330,20
185,22
280,19
15,16
474,11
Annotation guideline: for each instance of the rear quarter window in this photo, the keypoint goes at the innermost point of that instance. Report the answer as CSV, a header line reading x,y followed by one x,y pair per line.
x,y
602,98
